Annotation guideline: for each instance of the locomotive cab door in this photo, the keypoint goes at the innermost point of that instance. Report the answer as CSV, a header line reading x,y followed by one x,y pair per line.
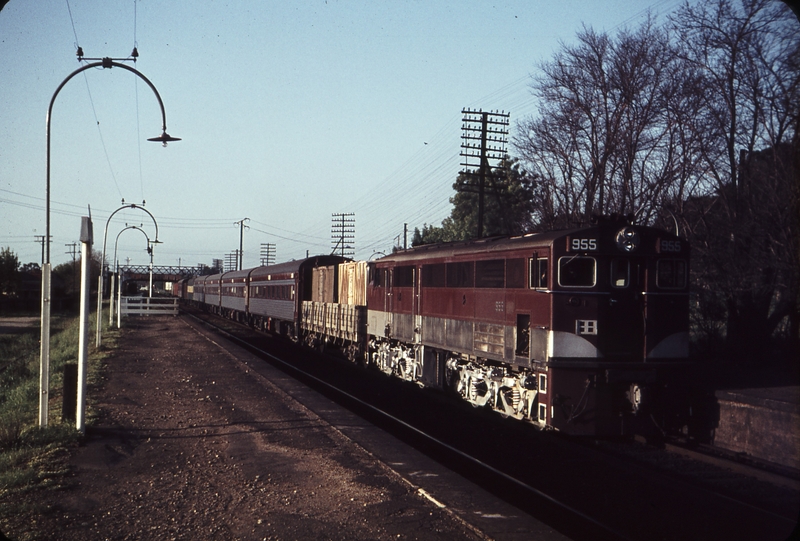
x,y
622,313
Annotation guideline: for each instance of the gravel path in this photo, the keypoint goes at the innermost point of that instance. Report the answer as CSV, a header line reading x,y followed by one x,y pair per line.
x,y
191,445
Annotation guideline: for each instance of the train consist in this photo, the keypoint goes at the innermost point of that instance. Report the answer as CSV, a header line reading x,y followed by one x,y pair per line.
x,y
583,331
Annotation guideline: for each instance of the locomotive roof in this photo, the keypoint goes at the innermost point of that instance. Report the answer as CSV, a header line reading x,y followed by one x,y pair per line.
x,y
487,244
603,226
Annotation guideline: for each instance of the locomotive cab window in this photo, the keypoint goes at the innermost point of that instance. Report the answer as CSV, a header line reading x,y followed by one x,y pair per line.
x,y
577,271
539,273
620,272
671,273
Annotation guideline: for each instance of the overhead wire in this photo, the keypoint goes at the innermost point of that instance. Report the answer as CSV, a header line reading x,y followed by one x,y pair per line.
x,y
94,110
136,91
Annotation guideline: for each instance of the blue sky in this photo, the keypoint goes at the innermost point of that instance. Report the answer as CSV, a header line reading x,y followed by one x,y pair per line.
x,y
289,111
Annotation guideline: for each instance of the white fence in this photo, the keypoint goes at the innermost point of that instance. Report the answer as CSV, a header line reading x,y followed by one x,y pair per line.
x,y
149,306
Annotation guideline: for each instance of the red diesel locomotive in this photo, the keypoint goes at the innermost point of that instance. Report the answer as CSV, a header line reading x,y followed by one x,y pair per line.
x,y
583,331
580,330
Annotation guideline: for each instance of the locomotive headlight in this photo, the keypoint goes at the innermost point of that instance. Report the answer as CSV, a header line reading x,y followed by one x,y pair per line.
x,y
627,239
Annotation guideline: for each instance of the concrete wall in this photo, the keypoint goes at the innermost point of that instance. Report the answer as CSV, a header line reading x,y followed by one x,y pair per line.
x,y
763,423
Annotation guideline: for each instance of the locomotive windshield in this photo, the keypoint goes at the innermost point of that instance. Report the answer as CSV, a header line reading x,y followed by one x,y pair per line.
x,y
577,271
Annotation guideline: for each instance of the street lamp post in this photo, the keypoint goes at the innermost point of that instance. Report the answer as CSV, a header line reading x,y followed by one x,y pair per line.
x,y
116,268
164,138
98,340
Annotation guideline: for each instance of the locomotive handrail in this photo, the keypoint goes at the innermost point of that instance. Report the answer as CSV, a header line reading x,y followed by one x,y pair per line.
x,y
568,292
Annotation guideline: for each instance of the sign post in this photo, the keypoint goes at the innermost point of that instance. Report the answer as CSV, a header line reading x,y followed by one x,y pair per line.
x,y
83,338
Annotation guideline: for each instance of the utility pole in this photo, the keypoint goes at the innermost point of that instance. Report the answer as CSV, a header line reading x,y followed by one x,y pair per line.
x,y
343,233
231,261
74,246
40,239
267,253
241,225
405,236
484,138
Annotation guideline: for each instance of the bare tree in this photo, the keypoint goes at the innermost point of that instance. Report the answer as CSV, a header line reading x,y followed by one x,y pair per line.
x,y
607,136
744,61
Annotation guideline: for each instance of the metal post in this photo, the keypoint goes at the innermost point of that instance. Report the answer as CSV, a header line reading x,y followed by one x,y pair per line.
x,y
119,302
83,337
44,357
241,225
111,299
99,306
150,288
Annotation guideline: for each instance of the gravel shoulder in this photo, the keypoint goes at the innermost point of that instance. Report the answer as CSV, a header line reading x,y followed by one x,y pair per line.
x,y
190,445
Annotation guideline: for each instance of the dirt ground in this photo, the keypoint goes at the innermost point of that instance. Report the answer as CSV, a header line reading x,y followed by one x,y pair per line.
x,y
191,445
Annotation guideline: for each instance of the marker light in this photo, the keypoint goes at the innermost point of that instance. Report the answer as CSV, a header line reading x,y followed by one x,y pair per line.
x,y
627,239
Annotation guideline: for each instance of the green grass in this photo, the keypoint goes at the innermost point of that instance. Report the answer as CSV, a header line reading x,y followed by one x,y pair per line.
x,y
34,458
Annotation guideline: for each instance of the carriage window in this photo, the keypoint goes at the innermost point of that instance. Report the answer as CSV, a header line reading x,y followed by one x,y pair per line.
x,y
577,271
539,273
515,273
620,272
671,273
433,275
490,273
460,275
404,276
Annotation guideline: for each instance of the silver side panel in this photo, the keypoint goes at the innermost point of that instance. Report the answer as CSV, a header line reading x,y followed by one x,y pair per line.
x,y
278,309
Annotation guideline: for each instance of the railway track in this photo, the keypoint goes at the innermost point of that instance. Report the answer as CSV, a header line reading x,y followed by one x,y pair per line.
x,y
584,489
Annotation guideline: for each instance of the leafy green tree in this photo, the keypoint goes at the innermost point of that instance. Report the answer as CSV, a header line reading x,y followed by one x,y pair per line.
x,y
508,206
